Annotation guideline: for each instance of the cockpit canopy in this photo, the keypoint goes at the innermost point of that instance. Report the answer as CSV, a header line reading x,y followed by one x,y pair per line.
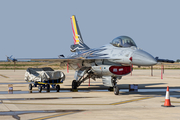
x,y
123,41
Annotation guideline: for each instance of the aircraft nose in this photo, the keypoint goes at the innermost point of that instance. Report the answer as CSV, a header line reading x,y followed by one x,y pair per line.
x,y
142,58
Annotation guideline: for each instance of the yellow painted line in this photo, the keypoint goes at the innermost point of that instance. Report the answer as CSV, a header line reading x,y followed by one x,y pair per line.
x,y
3,76
173,101
52,116
48,83
130,101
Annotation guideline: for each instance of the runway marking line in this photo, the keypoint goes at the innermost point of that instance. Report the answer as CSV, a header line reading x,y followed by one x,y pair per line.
x,y
3,76
127,101
173,101
117,103
52,116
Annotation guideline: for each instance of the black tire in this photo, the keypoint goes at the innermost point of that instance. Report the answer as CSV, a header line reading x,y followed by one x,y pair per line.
x,y
39,88
57,88
48,88
116,90
30,86
74,84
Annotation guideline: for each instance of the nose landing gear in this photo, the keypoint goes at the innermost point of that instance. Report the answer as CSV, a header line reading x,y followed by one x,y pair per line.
x,y
116,90
115,87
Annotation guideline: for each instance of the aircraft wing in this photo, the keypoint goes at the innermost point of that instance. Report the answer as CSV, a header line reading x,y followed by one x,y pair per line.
x,y
61,60
42,59
53,59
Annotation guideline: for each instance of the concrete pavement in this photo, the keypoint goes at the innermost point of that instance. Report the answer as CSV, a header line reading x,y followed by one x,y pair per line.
x,y
94,101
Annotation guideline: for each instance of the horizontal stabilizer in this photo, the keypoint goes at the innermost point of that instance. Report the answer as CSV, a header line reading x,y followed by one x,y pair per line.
x,y
164,60
61,56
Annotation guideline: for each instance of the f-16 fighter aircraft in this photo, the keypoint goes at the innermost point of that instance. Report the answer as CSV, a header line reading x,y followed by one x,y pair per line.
x,y
109,62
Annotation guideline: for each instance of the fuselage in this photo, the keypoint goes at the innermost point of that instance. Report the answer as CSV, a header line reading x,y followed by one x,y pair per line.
x,y
117,55
113,59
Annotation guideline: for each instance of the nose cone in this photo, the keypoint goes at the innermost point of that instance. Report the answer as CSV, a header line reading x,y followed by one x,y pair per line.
x,y
142,58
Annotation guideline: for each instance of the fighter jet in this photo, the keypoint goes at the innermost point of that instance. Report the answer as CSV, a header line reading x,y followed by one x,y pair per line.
x,y
109,62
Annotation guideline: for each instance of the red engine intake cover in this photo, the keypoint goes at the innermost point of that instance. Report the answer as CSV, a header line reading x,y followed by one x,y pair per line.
x,y
120,70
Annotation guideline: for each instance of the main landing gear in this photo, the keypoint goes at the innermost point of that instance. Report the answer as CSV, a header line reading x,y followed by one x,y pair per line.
x,y
74,84
77,83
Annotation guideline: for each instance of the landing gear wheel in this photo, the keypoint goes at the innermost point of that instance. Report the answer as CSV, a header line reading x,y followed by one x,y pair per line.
x,y
48,88
39,88
57,88
74,84
30,86
116,90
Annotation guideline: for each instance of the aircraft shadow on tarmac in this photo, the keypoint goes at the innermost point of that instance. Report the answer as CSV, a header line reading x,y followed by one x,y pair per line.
x,y
143,89
126,86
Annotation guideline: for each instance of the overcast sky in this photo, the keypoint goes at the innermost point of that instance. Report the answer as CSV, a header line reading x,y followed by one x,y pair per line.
x,y
42,28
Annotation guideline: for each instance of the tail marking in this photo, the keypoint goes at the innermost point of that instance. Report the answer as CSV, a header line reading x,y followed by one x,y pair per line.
x,y
74,29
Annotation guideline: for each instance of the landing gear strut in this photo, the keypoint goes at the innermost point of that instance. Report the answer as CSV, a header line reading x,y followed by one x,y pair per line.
x,y
115,87
76,84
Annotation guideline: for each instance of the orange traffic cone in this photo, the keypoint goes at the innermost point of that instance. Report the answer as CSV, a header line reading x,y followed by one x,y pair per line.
x,y
167,102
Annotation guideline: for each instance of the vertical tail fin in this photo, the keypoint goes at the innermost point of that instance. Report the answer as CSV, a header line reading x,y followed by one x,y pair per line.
x,y
78,41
